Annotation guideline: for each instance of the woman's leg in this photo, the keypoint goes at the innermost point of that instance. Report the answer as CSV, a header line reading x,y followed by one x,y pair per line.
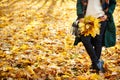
x,y
98,40
86,40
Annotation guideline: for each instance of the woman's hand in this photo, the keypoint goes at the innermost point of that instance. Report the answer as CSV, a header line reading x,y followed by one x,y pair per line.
x,y
103,18
81,20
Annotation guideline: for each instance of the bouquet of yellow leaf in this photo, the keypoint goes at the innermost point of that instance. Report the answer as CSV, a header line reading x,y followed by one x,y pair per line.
x,y
89,26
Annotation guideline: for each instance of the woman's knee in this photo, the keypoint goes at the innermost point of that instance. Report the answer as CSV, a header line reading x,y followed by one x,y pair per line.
x,y
86,39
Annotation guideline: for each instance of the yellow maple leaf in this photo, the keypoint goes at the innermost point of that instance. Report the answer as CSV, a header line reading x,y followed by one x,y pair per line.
x,y
81,78
24,47
25,62
95,77
65,76
30,70
58,78
8,68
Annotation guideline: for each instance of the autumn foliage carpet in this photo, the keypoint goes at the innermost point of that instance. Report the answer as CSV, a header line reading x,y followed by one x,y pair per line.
x,y
36,43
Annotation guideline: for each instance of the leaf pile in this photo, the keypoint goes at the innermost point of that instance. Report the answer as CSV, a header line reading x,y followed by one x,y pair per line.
x,y
36,43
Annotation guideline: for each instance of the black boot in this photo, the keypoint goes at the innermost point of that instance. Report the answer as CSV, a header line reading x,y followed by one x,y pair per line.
x,y
93,66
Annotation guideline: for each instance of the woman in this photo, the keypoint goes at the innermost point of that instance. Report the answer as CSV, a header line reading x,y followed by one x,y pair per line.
x,y
103,10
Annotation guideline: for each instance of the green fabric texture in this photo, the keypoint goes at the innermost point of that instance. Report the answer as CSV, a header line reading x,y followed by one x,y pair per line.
x,y
79,7
110,34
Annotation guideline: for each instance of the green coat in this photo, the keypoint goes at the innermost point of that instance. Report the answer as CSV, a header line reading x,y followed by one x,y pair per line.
x,y
108,7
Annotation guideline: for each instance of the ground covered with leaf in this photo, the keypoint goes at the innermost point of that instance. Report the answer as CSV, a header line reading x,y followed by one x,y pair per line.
x,y
36,43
